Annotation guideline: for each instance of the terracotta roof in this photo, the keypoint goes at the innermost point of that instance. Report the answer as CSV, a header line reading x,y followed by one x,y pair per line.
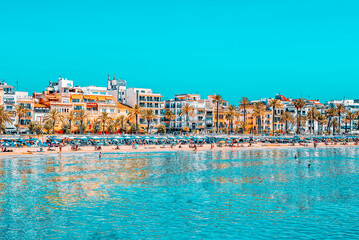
x,y
121,105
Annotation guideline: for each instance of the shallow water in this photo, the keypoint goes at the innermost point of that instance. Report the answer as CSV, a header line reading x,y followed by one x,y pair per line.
x,y
258,193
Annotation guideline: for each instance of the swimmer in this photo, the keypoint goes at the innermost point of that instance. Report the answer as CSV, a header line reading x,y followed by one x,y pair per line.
x,y
296,157
308,165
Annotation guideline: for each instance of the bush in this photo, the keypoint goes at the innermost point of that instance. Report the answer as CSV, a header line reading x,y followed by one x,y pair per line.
x,y
133,128
65,128
161,129
223,130
111,128
185,129
35,127
48,126
2,127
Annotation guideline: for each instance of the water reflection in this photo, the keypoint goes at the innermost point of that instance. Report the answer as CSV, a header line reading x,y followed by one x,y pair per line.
x,y
179,194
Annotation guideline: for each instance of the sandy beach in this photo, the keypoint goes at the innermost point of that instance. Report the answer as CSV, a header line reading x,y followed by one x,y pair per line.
x,y
159,148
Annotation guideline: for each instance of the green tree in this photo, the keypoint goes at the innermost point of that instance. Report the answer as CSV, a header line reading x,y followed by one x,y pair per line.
x,y
148,115
350,117
243,103
66,128
161,129
340,110
82,116
48,125
218,100
274,104
70,117
258,112
230,115
104,119
286,118
331,113
187,111
312,116
20,112
54,116
134,113
5,117
299,104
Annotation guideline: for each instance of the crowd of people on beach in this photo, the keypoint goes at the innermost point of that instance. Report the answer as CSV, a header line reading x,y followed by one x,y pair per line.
x,y
190,143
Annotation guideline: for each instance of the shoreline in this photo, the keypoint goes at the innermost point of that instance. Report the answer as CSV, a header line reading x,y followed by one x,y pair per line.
x,y
156,148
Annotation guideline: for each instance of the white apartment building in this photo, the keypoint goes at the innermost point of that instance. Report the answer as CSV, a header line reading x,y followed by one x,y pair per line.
x,y
196,121
146,99
62,85
117,88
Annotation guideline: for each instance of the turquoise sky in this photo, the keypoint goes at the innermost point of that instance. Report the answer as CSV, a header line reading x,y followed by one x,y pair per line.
x,y
236,48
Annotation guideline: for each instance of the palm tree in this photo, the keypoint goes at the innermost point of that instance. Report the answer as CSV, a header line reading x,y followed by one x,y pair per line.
x,y
54,116
35,127
81,116
299,104
230,115
148,115
346,121
120,123
134,113
321,119
258,112
312,116
274,104
350,117
218,100
334,125
340,110
187,111
20,112
285,118
243,103
5,117
169,115
104,118
331,113
70,117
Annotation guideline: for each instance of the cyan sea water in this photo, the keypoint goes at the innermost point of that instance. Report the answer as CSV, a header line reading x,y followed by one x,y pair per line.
x,y
247,194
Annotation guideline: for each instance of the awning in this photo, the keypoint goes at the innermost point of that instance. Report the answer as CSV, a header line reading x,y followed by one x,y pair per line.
x,y
109,98
101,98
76,96
91,105
91,97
